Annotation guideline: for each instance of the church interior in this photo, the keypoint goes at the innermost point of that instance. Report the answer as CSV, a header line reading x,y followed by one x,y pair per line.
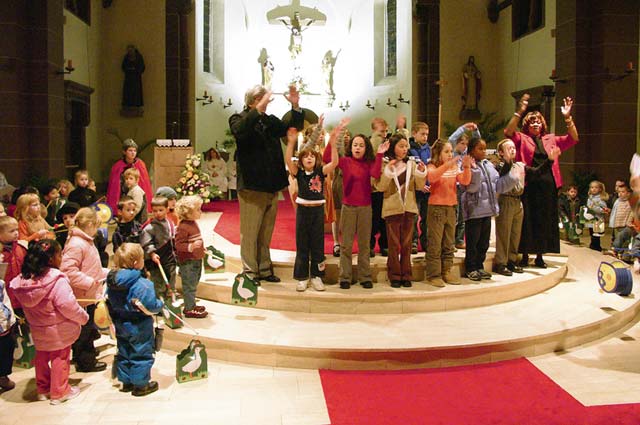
x,y
548,346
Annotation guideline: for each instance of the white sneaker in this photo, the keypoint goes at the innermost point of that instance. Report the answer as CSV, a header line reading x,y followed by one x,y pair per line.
x,y
302,285
43,397
73,393
317,284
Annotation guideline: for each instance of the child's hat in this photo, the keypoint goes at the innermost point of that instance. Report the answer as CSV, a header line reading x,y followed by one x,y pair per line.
x,y
129,143
67,208
167,192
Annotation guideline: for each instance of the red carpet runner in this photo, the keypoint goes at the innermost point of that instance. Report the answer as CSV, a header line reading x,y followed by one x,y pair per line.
x,y
509,392
284,233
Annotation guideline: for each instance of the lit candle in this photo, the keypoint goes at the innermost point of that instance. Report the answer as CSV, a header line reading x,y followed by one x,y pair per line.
x,y
69,64
630,66
326,139
205,94
553,73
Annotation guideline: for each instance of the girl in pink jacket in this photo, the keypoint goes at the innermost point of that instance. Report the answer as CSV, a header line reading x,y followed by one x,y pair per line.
x,y
54,316
81,263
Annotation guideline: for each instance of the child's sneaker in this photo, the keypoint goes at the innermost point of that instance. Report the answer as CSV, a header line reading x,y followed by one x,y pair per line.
x,y
151,387
302,285
317,284
6,384
200,308
73,393
195,314
42,397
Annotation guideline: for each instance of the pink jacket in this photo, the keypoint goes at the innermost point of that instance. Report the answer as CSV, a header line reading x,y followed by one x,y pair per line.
x,y
526,147
81,262
52,311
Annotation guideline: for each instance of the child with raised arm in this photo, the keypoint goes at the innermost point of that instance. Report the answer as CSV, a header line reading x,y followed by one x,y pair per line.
x,y
132,301
443,174
81,263
310,175
54,317
190,252
358,165
400,181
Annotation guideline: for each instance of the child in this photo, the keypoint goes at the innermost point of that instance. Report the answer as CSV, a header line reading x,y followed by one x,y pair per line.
x,y
310,175
399,207
81,263
443,174
479,204
92,185
7,344
82,195
190,252
64,189
3,211
597,208
358,166
172,197
53,203
31,225
420,149
12,254
54,318
65,217
132,301
621,213
459,139
378,136
128,229
157,240
131,178
569,206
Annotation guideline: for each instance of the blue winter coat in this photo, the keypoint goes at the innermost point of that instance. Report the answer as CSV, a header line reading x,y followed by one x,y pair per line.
x,y
123,286
479,197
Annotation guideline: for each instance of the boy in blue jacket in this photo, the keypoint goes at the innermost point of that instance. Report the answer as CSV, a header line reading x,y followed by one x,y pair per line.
x,y
132,302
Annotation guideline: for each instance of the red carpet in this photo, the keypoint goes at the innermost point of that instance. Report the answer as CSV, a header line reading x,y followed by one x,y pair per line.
x,y
284,233
509,392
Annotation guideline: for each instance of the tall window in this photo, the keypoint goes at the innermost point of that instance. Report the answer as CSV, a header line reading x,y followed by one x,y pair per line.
x,y
213,39
206,35
527,17
390,45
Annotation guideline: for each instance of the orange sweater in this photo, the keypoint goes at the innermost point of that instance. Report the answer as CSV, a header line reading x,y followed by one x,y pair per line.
x,y
443,183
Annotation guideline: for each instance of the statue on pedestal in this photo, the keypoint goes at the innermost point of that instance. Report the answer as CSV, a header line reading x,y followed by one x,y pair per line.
x,y
133,67
471,86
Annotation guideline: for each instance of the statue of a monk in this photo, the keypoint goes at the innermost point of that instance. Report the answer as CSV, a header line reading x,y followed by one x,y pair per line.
x,y
133,67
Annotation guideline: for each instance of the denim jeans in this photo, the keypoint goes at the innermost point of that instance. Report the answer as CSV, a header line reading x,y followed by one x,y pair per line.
x,y
190,272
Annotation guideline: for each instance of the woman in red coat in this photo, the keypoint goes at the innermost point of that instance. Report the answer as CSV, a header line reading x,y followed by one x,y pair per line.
x,y
540,231
117,187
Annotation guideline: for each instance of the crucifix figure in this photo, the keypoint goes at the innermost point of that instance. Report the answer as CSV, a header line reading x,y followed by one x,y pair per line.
x,y
297,18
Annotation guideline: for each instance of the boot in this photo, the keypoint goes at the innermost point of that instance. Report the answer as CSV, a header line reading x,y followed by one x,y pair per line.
x,y
449,278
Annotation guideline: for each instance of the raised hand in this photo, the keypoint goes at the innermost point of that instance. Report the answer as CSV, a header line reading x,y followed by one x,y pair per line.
x,y
471,126
293,96
292,135
523,104
566,107
264,102
467,161
321,121
383,147
554,153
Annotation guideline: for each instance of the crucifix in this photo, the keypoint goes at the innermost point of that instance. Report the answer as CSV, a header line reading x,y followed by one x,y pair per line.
x,y
297,18
440,83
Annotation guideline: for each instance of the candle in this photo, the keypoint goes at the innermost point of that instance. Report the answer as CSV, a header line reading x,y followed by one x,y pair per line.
x,y
326,138
69,64
630,66
229,102
205,94
553,73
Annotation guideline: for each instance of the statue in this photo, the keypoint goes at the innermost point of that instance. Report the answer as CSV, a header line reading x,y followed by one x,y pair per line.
x,y
296,18
266,67
328,64
471,86
133,67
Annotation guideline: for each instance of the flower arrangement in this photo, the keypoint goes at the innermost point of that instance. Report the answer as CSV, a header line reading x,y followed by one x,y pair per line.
x,y
194,181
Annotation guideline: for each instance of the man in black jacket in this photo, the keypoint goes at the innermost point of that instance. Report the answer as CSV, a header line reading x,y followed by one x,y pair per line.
x,y
261,175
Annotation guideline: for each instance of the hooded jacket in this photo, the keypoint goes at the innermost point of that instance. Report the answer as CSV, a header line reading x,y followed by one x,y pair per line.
x,y
480,196
81,263
401,198
123,286
54,315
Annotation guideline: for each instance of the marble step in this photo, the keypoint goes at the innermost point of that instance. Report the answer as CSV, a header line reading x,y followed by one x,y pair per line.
x,y
571,313
383,299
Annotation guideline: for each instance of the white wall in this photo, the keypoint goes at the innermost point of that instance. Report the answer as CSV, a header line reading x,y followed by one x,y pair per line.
x,y
349,27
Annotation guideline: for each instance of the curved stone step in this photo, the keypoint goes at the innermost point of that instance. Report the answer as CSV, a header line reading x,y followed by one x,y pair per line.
x,y
571,313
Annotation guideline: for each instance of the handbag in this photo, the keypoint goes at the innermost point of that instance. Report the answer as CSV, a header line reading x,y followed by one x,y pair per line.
x,y
191,363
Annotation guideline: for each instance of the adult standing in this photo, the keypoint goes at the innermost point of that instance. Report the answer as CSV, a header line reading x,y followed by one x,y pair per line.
x,y
117,186
260,175
540,231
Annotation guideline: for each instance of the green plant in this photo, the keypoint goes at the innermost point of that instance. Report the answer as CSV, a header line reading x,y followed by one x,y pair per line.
x,y
229,141
490,127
